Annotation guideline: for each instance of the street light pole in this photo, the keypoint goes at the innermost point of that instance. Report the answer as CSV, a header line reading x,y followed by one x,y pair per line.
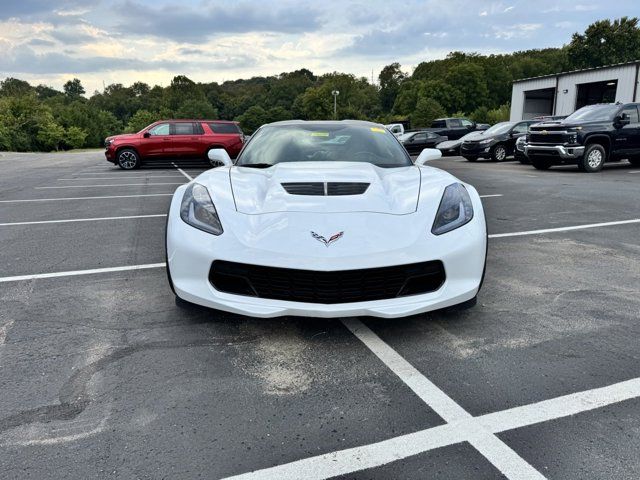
x,y
335,94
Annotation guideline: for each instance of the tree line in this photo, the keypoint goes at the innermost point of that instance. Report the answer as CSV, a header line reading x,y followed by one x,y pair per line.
x,y
40,118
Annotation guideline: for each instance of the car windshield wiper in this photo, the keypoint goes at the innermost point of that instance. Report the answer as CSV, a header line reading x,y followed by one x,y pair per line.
x,y
256,165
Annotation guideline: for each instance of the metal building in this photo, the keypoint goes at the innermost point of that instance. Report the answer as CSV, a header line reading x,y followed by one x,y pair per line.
x,y
564,93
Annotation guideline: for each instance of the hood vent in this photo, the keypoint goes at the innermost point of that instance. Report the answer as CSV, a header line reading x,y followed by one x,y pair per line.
x,y
325,188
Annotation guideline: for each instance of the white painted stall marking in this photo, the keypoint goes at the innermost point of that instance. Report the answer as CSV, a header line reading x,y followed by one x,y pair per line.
x,y
86,198
564,229
73,220
73,273
112,185
189,177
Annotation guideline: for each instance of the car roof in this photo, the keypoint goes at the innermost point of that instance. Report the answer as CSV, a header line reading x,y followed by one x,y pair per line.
x,y
178,120
336,123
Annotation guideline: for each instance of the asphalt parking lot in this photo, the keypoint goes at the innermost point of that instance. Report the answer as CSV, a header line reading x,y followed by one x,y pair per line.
x,y
103,376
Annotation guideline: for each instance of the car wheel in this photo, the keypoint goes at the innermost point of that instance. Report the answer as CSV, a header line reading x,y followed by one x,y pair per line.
x,y
635,161
498,153
540,163
524,160
128,159
471,159
593,159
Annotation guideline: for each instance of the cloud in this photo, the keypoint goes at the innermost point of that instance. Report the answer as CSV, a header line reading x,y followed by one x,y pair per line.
x,y
520,30
181,23
24,59
41,42
32,8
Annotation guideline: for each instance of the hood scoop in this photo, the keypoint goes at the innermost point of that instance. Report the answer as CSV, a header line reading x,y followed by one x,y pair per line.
x,y
325,188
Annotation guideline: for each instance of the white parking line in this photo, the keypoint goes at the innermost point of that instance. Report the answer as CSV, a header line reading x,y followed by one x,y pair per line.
x,y
491,196
121,177
478,431
497,452
564,229
189,177
124,175
112,185
87,198
73,273
635,171
73,220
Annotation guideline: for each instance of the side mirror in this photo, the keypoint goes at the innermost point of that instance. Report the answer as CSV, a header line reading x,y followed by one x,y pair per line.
x,y
146,134
220,155
427,155
622,119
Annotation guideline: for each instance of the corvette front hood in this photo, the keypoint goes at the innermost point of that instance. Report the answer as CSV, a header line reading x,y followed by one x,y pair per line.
x,y
391,191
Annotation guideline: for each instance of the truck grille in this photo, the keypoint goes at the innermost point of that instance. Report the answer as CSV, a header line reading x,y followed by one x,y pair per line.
x,y
310,286
553,138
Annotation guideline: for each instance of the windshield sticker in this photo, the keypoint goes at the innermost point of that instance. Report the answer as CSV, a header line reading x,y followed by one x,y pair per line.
x,y
319,134
377,129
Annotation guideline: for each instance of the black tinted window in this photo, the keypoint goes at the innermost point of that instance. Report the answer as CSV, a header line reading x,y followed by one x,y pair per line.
x,y
521,128
420,137
632,113
455,122
439,124
225,128
324,142
160,129
182,128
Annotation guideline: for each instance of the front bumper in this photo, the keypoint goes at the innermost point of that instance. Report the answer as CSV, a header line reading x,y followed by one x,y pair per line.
x,y
561,152
475,150
191,252
110,154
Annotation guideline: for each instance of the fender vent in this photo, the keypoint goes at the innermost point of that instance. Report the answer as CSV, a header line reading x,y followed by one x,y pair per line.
x,y
322,189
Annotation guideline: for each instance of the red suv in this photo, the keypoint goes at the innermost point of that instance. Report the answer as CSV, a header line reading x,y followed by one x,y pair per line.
x,y
174,139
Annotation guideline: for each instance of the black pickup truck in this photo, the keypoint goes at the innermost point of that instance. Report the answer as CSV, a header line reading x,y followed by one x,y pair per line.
x,y
454,128
588,138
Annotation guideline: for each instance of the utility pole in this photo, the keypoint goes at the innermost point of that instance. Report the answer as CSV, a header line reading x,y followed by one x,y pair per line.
x,y
335,94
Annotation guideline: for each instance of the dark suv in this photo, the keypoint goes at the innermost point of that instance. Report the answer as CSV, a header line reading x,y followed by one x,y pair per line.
x,y
588,138
496,143
175,139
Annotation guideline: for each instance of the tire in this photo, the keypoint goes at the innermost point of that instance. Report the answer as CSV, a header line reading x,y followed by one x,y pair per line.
x,y
540,163
499,153
635,161
471,159
524,160
593,159
128,159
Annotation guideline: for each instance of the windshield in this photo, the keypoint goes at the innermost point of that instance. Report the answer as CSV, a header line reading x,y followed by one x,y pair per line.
x,y
498,128
331,142
593,113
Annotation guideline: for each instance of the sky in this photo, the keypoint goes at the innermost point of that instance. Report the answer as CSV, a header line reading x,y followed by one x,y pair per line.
x,y
123,41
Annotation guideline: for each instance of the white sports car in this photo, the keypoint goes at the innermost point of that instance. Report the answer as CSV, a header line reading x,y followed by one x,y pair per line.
x,y
326,219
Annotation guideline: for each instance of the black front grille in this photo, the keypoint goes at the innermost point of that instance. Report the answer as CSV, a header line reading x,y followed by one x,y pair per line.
x,y
544,153
320,189
304,188
311,286
346,188
555,138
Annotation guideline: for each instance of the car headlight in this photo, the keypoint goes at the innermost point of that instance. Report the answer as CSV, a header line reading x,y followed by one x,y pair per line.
x,y
455,209
573,138
198,211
